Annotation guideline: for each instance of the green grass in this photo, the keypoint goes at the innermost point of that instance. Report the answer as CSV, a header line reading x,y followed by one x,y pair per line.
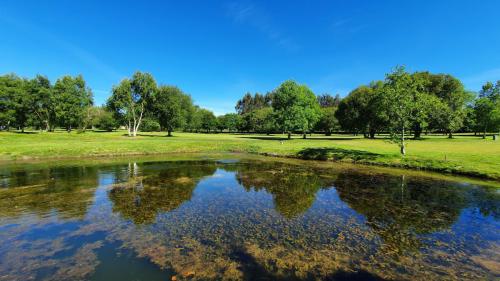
x,y
467,155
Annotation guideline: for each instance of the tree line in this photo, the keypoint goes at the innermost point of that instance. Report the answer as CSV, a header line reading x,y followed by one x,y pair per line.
x,y
402,105
136,103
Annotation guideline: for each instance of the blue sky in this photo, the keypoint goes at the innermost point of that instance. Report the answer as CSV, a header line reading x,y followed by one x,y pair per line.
x,y
218,50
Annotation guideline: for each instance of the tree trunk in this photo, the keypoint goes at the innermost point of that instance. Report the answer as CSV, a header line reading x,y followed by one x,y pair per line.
x,y
372,134
289,135
418,131
304,135
169,133
403,148
450,135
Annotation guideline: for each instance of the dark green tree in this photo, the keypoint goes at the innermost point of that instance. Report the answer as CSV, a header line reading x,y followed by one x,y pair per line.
x,y
450,114
73,100
9,87
103,119
168,107
487,108
362,111
42,101
296,108
327,122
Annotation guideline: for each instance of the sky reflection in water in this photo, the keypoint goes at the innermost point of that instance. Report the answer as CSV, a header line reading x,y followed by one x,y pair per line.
x,y
247,219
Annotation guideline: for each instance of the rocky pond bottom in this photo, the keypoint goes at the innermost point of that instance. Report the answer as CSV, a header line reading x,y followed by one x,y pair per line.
x,y
243,219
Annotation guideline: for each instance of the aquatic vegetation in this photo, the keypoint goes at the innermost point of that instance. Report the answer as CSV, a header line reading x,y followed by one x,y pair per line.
x,y
244,220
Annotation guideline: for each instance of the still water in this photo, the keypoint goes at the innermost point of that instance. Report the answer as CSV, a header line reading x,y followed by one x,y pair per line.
x,y
243,219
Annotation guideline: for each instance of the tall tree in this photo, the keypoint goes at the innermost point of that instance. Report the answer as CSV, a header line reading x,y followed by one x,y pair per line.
x,y
42,102
361,110
404,101
73,100
487,108
129,100
167,107
208,120
228,122
10,85
296,108
451,113
327,121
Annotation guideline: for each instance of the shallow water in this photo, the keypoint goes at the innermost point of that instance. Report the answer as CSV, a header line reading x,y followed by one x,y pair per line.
x,y
243,219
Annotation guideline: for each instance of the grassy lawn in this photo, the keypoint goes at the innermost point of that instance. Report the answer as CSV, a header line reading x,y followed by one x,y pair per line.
x,y
466,155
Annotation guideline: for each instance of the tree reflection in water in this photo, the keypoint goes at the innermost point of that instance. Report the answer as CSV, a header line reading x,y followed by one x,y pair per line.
x,y
145,194
252,219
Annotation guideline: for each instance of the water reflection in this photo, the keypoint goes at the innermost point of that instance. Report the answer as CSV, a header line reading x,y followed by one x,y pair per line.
x,y
293,189
148,192
399,208
242,220
43,191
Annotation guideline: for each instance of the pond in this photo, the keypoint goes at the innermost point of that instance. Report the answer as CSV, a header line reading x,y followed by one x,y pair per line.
x,y
243,218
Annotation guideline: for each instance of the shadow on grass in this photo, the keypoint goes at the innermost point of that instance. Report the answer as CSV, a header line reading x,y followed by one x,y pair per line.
x,y
27,133
297,138
152,136
325,153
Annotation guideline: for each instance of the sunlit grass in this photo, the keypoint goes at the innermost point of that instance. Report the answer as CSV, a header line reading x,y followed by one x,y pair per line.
x,y
463,154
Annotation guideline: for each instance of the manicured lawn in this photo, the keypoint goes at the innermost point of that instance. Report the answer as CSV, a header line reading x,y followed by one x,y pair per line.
x,y
464,154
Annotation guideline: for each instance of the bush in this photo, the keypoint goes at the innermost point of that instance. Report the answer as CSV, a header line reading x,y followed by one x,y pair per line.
x,y
105,121
149,125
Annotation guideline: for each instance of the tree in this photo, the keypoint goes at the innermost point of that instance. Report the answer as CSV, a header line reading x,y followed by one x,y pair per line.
x,y
328,122
103,119
264,120
9,86
228,121
451,111
361,110
42,101
250,103
129,100
487,108
208,120
168,108
73,100
296,107
404,102
326,100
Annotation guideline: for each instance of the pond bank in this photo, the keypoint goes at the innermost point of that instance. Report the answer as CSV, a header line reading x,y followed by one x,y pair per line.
x,y
465,155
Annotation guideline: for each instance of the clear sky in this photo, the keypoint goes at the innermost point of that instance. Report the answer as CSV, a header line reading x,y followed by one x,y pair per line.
x,y
218,50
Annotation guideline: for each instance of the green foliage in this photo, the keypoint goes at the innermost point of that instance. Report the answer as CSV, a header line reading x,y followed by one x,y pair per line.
x,y
362,111
130,98
73,99
328,122
487,108
228,122
171,106
9,87
202,119
42,102
405,104
250,103
326,100
450,110
103,119
296,107
149,125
